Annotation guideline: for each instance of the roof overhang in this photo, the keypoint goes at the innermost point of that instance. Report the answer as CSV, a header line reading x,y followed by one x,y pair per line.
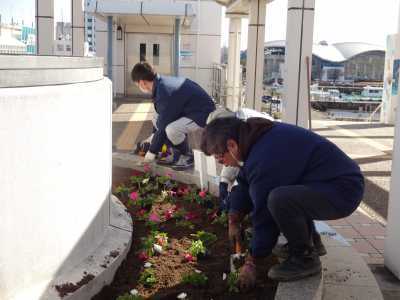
x,y
237,7
155,12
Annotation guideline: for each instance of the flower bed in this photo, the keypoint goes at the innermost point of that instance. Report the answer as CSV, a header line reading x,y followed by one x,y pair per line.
x,y
180,246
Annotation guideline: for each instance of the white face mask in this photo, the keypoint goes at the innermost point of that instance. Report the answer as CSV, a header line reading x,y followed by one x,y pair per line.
x,y
240,163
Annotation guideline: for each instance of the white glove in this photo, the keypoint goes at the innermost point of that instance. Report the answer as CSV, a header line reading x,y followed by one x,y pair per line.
x,y
149,157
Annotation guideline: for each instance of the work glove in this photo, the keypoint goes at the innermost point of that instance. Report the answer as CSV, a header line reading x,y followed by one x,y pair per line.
x,y
248,274
149,158
223,197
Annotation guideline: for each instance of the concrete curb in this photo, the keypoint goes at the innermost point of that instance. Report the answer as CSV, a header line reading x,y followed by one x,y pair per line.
x,y
103,262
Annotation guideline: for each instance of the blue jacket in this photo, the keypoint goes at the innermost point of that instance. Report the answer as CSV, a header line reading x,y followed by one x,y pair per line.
x,y
176,97
290,155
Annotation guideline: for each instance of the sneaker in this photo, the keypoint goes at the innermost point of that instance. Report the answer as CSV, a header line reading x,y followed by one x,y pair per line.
x,y
296,266
282,250
185,162
169,160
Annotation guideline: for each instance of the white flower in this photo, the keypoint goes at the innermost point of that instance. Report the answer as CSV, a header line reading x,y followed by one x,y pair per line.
x,y
182,296
197,271
134,292
158,248
147,265
223,276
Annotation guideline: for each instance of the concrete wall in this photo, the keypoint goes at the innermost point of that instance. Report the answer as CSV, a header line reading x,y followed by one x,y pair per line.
x,y
55,169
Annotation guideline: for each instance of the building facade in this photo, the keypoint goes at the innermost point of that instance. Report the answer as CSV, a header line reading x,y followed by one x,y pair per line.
x,y
341,62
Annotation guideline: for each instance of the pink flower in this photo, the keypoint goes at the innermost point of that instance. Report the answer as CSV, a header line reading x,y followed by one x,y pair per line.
x,y
136,173
202,194
190,216
154,218
169,175
143,256
188,257
146,168
172,193
134,196
168,214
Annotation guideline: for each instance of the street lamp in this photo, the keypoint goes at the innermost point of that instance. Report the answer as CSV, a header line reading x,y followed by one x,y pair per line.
x,y
119,33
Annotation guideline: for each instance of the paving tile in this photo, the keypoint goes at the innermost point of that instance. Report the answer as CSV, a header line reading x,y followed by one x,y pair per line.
x,y
370,229
348,232
362,246
359,219
338,222
374,260
378,244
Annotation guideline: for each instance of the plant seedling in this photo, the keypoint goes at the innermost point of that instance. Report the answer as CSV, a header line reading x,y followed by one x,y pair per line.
x,y
147,278
232,281
197,248
195,279
221,220
206,237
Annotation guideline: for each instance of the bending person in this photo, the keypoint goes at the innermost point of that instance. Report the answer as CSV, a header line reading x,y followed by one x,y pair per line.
x,y
288,176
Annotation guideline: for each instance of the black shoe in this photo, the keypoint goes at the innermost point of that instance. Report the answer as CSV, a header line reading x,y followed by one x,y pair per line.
x,y
296,267
282,250
184,163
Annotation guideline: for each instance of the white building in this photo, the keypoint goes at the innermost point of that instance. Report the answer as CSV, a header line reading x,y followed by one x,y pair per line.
x,y
177,37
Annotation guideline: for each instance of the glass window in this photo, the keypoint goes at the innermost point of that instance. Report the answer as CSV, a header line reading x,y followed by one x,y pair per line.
x,y
142,52
156,54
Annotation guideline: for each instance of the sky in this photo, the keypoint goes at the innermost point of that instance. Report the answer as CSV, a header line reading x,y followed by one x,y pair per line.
x,y
367,21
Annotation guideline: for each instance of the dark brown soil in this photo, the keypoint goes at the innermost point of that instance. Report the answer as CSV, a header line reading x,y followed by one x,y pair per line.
x,y
171,266
67,288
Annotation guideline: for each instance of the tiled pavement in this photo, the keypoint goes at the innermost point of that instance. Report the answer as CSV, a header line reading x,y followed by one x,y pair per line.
x,y
365,234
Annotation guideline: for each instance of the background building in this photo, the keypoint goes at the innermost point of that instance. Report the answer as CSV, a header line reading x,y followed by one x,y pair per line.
x,y
340,62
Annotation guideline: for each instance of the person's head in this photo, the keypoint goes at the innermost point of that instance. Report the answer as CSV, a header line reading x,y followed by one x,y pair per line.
x,y
230,139
143,74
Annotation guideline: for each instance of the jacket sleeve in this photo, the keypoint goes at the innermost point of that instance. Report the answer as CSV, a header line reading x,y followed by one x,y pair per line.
x,y
239,198
265,230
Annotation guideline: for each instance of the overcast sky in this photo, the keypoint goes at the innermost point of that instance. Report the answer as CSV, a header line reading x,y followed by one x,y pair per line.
x,y
335,20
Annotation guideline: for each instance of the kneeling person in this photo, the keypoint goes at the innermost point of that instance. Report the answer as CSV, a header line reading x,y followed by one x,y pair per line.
x,y
181,105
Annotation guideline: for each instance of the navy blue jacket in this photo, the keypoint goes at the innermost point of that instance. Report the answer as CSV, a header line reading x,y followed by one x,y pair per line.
x,y
290,155
176,97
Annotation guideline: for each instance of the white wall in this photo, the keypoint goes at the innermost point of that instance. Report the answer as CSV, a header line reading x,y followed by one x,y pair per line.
x,y
55,179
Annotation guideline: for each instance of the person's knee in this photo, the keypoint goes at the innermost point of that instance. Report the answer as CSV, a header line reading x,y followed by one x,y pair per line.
x,y
278,200
174,135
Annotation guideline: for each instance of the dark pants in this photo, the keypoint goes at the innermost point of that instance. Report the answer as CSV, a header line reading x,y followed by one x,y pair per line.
x,y
294,208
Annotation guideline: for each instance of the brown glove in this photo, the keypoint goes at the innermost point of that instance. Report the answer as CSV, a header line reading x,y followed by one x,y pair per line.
x,y
247,274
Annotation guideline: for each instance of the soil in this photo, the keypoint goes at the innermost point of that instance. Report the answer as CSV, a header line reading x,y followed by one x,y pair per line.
x,y
170,266
67,288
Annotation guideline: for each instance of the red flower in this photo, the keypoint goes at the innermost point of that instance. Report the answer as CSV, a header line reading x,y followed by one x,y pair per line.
x,y
202,194
168,214
188,257
141,212
143,256
190,216
136,173
134,196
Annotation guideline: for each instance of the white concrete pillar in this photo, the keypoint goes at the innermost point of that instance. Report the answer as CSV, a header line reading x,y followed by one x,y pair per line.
x,y
255,54
389,100
392,241
44,27
78,28
299,40
233,84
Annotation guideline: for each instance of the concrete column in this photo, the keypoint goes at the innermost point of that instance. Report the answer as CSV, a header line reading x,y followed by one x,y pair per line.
x,y
255,54
78,28
299,40
109,46
177,46
44,27
392,241
233,85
